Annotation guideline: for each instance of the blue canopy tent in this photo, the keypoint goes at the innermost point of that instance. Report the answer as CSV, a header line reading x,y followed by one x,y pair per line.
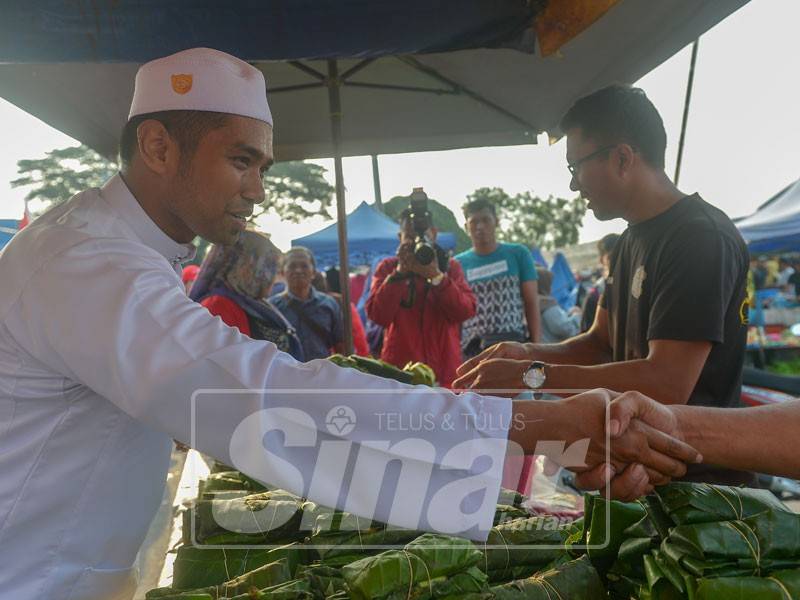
x,y
370,234
775,226
538,258
565,288
8,227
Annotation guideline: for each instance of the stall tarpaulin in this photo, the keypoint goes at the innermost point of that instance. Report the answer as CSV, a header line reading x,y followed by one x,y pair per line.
x,y
775,226
8,227
414,76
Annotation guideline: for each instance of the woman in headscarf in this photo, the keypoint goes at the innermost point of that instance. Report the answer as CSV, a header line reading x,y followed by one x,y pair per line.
x,y
233,284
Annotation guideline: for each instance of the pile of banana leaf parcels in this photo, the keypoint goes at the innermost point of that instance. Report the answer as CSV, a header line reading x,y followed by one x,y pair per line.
x,y
686,541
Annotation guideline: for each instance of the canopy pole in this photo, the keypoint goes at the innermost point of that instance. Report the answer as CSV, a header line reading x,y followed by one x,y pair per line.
x,y
335,104
376,181
689,85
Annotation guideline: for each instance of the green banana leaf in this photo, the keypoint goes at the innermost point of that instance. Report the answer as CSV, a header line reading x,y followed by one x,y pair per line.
x,y
574,579
197,567
325,581
658,585
510,497
505,513
426,560
779,585
755,542
340,538
689,503
229,480
268,575
502,552
605,523
264,518
298,589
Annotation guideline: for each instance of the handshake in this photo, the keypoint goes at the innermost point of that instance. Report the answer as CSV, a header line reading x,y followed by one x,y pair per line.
x,y
634,443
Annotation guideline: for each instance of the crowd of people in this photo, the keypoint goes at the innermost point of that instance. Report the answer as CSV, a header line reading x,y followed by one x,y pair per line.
x,y
104,358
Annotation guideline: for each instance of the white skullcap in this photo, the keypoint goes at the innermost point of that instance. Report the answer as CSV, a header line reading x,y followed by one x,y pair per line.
x,y
201,79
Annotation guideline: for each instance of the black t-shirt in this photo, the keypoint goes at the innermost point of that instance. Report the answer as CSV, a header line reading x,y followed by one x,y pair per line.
x,y
682,275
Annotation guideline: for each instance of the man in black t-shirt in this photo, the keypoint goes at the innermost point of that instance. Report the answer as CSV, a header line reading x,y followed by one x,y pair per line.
x,y
672,319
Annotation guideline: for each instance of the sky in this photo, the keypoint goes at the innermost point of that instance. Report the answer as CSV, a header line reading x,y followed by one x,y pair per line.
x,y
742,144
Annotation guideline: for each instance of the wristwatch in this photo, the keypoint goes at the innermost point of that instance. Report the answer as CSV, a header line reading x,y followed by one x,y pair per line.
x,y
534,377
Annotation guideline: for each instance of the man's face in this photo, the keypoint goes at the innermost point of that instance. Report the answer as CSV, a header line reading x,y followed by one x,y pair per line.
x,y
215,193
298,271
481,226
595,177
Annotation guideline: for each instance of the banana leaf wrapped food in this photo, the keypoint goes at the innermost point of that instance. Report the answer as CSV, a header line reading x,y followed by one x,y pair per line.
x,y
779,585
268,575
751,546
689,503
573,579
267,517
431,566
507,552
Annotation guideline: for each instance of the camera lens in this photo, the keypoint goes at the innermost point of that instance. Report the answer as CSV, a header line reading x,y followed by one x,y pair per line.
x,y
424,253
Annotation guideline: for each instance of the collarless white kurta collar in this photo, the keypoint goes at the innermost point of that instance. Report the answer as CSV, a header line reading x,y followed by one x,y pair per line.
x,y
120,198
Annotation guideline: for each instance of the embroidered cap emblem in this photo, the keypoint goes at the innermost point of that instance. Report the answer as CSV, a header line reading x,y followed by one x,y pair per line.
x,y
181,83
638,282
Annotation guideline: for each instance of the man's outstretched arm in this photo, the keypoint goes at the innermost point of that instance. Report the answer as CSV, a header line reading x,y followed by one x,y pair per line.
x,y
750,439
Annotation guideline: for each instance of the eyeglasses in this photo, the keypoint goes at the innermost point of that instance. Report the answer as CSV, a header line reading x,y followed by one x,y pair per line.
x,y
573,167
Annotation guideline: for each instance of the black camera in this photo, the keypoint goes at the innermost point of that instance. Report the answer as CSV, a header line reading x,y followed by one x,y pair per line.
x,y
424,252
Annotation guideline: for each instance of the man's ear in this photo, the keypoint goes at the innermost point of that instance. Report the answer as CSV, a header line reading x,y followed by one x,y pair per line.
x,y
626,156
157,149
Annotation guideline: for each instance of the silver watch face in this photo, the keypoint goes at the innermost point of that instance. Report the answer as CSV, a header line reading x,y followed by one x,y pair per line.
x,y
534,378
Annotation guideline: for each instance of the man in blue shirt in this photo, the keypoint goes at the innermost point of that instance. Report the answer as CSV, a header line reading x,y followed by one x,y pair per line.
x,y
503,278
315,316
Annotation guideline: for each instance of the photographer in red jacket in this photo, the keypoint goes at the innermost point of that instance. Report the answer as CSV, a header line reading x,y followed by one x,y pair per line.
x,y
421,297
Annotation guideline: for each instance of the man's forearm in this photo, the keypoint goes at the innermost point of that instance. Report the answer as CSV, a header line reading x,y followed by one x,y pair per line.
x,y
639,375
582,349
750,439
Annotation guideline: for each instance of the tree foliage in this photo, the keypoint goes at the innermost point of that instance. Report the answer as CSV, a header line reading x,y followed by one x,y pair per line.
x,y
62,173
295,191
527,219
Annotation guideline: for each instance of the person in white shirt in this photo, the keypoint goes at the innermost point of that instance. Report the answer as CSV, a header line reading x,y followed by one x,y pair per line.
x,y
104,360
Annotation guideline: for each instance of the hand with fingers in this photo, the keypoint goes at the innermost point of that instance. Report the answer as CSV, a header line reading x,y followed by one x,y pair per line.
x,y
632,411
499,367
646,448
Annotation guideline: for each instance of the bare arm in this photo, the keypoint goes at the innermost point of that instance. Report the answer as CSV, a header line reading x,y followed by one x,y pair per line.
x,y
530,296
764,436
669,373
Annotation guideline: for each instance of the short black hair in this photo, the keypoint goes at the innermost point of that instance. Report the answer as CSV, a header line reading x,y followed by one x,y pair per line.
x,y
474,206
620,114
605,245
188,127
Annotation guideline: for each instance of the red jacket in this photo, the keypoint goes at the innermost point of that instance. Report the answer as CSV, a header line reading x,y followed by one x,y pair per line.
x,y
429,331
